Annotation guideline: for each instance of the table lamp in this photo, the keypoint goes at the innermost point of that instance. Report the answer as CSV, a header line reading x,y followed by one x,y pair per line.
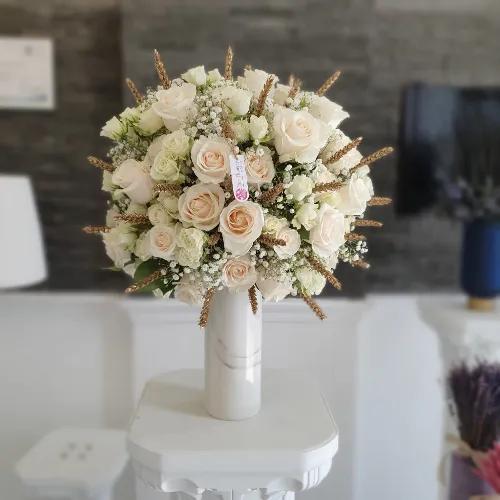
x,y
22,258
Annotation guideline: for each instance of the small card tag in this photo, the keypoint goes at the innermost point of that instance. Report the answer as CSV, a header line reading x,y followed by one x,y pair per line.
x,y
239,177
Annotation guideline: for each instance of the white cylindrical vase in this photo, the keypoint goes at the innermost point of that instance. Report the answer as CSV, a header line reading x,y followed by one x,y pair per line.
x,y
233,346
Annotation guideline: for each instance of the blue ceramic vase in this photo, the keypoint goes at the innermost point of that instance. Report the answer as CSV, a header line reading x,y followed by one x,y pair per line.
x,y
480,275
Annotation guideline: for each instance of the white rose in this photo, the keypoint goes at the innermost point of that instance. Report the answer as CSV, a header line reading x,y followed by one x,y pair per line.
x,y
258,127
281,94
165,168
301,187
142,247
118,243
241,224
328,235
239,274
298,135
312,282
254,80
162,241
171,204
337,141
130,114
200,205
154,149
113,129
158,214
272,289
190,247
353,196
136,208
196,76
189,291
292,243
175,104
177,144
107,182
306,216
273,224
241,129
238,100
134,179
210,159
327,111
259,167
321,174
214,76
149,122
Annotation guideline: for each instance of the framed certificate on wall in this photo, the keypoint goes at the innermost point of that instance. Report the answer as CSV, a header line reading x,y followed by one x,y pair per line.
x,y
27,73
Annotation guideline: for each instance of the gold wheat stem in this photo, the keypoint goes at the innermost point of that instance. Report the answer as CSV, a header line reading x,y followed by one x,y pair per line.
x,y
367,223
160,70
377,155
97,162
342,152
362,264
266,89
378,201
228,64
173,189
313,305
327,186
271,241
355,237
213,239
269,196
133,218
328,83
96,229
317,266
145,282
205,308
252,298
134,90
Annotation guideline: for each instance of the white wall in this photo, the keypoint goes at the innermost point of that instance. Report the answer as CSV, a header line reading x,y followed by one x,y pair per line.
x,y
79,359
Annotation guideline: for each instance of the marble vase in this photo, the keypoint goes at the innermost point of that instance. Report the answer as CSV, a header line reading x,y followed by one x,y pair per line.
x,y
233,343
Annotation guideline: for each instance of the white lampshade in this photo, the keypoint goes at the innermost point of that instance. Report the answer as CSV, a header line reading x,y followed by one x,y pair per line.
x,y
22,259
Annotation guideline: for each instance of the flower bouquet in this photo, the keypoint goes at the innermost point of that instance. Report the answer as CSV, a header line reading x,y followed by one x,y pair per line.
x,y
240,185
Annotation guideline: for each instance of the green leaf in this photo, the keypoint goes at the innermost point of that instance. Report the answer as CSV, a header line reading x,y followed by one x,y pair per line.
x,y
143,271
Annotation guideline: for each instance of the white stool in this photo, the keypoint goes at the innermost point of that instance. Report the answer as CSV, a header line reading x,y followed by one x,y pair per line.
x,y
76,464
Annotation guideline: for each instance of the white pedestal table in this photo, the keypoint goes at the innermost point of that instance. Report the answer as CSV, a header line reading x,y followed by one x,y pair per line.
x,y
177,449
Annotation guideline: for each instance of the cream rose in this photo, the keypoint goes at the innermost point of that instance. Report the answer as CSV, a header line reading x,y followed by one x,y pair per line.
x,y
259,166
239,274
154,149
176,144
171,204
162,241
166,168
337,141
237,100
312,282
158,214
189,291
118,243
298,135
300,187
210,159
175,104
327,111
328,235
241,224
272,289
258,127
352,197
254,80
292,243
306,216
134,179
190,247
113,129
196,76
201,205
149,122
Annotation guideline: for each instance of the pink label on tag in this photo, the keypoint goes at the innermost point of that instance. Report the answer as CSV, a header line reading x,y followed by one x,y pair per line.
x,y
239,177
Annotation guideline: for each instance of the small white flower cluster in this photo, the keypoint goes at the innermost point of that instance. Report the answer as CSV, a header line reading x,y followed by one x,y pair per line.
x,y
171,170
